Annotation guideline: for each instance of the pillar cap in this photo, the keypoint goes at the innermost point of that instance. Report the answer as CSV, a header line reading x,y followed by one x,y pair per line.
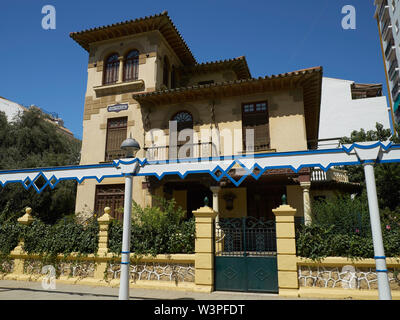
x,y
205,212
26,219
215,189
284,210
106,217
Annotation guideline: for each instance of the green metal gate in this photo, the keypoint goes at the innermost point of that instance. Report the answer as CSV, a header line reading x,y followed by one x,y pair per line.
x,y
245,255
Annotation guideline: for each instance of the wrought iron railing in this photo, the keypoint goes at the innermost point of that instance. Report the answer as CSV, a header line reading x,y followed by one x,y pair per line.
x,y
247,236
114,155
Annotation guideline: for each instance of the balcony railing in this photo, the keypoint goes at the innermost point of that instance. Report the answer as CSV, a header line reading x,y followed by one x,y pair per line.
x,y
114,155
386,29
195,150
384,6
390,46
393,70
331,175
395,91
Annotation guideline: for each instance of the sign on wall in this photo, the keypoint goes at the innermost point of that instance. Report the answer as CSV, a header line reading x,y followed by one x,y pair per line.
x,y
118,107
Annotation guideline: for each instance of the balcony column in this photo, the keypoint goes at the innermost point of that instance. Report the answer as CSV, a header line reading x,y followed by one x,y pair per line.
x,y
215,190
120,70
305,185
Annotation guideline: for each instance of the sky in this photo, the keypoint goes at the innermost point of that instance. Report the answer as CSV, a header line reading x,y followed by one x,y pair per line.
x,y
48,69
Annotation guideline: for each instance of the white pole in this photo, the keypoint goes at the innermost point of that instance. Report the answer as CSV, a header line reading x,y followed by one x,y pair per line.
x,y
380,259
126,240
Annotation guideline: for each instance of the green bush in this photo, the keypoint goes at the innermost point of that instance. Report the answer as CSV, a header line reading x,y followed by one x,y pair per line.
x,y
155,230
341,227
9,236
65,237
343,214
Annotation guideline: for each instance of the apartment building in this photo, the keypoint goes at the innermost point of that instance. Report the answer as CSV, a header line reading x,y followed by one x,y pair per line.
x,y
387,15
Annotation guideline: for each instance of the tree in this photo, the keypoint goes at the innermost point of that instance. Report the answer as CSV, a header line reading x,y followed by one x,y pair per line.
x,y
387,175
28,142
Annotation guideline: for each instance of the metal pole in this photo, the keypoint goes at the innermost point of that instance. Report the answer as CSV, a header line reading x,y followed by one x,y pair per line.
x,y
380,259
126,240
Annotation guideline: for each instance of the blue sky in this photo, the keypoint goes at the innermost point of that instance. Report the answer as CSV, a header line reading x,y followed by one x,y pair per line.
x,y
47,68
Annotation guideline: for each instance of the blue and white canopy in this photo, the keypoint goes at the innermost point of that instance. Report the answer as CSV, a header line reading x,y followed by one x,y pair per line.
x,y
218,167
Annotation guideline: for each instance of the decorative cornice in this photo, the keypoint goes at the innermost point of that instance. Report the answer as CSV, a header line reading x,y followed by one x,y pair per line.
x,y
161,22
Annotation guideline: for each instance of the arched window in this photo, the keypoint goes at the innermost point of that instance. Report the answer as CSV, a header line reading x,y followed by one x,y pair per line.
x,y
184,120
131,66
111,69
166,72
183,147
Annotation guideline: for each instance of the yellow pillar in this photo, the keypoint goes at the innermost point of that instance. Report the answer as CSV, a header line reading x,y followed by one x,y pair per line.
x,y
121,70
204,248
19,251
218,232
286,251
104,222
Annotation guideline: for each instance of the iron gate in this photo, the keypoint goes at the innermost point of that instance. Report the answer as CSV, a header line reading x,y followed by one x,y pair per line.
x,y
245,255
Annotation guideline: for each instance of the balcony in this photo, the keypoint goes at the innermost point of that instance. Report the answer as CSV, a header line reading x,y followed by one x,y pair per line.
x,y
333,174
383,9
393,70
396,91
114,155
118,88
186,151
386,30
390,50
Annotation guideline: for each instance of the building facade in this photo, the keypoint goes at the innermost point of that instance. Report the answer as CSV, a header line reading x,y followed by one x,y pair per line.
x,y
347,106
144,82
387,15
10,108
13,109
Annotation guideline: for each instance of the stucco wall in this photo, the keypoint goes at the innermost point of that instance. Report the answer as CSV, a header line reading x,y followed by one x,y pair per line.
x,y
239,203
340,114
286,112
11,109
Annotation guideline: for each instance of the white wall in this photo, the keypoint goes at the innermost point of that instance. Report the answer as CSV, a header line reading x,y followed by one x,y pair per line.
x,y
340,114
10,108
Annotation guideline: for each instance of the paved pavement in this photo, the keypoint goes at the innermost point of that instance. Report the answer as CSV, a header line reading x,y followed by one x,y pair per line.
x,y
32,290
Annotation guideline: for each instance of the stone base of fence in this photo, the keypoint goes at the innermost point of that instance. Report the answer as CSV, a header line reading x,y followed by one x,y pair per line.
x,y
169,272
342,278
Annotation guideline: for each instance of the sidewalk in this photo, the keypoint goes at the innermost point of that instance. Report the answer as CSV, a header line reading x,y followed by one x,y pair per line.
x,y
32,290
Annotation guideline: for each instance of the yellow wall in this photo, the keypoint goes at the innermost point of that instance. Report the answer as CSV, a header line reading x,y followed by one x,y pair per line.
x,y
180,197
239,204
295,199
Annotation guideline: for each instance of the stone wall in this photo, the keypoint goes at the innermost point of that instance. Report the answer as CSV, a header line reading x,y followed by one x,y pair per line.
x,y
180,272
345,277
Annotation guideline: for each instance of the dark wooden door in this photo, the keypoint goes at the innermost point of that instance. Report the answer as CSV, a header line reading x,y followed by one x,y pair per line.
x,y
262,199
110,196
195,198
